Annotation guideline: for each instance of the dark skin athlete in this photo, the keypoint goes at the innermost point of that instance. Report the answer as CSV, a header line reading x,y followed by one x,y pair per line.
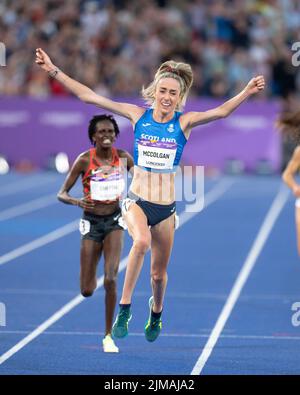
x,y
91,251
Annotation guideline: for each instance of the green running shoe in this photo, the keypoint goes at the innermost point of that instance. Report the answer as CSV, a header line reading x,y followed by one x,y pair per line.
x,y
120,327
153,325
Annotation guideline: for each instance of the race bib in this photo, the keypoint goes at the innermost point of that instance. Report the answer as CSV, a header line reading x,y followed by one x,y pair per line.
x,y
156,155
107,188
84,226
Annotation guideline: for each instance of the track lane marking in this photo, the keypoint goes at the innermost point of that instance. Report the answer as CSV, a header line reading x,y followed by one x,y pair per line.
x,y
262,236
211,197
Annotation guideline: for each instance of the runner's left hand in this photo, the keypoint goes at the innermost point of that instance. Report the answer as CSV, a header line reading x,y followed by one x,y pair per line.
x,y
255,85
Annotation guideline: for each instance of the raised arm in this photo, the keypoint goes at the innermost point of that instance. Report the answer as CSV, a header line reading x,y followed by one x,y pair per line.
x,y
85,94
192,119
290,171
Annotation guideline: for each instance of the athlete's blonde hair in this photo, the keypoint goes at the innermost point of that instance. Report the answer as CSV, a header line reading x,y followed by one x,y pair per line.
x,y
182,72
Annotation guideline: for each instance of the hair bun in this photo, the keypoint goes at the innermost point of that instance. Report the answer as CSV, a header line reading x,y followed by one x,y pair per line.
x,y
171,69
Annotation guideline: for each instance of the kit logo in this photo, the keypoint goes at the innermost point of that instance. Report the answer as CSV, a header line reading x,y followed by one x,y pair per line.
x,y
170,128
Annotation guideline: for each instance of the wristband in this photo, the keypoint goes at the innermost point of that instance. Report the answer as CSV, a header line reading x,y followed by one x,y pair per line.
x,y
53,73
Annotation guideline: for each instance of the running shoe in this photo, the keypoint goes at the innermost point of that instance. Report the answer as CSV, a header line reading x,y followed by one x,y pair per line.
x,y
120,327
109,344
153,325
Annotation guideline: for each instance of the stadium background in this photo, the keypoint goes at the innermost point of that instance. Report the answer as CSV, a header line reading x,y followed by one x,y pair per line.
x,y
115,47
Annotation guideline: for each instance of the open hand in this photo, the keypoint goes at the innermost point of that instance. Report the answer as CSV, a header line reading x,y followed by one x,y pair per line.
x,y
86,204
43,60
256,85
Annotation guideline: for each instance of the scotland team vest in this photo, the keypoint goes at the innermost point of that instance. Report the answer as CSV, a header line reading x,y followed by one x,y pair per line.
x,y
158,146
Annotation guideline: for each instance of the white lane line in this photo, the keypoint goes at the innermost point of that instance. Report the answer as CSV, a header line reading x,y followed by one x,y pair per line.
x,y
169,335
50,321
63,311
41,292
22,185
40,242
210,198
247,267
28,207
181,295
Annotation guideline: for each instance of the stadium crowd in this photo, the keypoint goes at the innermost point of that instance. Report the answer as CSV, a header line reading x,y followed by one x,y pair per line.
x,y
115,46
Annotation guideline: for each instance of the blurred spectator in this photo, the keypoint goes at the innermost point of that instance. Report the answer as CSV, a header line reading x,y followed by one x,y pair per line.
x,y
115,46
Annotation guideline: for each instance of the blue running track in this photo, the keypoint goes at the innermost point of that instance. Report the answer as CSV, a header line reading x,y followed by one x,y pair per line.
x,y
39,269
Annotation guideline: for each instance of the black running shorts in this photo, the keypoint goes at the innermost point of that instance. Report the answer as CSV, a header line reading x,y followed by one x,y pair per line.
x,y
96,227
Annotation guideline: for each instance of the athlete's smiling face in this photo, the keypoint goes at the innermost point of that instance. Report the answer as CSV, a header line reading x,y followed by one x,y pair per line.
x,y
105,134
167,95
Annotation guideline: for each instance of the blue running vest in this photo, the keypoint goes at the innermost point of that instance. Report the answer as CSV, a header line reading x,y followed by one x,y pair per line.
x,y
158,146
